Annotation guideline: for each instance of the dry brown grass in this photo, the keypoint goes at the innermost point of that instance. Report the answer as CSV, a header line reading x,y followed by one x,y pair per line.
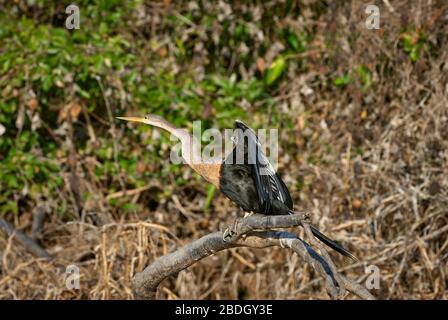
x,y
380,186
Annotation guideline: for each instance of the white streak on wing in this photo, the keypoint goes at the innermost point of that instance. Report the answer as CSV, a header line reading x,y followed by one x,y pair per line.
x,y
267,169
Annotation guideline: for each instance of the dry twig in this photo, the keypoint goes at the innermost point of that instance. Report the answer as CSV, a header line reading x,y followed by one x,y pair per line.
x,y
26,241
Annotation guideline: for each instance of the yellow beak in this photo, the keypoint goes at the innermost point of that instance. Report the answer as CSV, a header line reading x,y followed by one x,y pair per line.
x,y
133,119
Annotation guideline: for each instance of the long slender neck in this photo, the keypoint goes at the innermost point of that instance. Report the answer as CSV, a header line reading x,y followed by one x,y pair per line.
x,y
191,151
159,122
189,142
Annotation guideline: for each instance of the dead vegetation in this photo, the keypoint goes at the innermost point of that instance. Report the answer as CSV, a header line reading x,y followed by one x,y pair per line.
x,y
371,164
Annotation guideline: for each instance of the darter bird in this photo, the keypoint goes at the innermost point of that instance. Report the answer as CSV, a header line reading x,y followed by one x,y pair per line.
x,y
245,175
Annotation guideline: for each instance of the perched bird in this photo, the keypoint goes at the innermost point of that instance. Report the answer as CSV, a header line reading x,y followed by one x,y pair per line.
x,y
245,175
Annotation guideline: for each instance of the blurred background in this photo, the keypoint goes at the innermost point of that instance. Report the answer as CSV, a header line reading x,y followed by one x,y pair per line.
x,y
363,134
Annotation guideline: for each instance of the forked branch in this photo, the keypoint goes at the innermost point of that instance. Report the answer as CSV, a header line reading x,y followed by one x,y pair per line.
x,y
147,281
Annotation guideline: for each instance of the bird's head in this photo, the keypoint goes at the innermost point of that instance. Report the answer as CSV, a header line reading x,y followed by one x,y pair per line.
x,y
156,121
150,119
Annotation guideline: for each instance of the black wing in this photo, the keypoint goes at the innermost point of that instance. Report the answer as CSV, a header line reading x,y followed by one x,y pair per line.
x,y
269,185
272,191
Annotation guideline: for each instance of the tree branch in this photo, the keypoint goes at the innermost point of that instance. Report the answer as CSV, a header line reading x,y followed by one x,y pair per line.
x,y
26,241
147,281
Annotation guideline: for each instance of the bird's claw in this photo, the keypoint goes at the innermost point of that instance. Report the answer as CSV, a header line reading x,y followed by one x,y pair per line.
x,y
307,216
227,235
231,233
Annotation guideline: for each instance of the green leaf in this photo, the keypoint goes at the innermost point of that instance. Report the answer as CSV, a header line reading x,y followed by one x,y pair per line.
x,y
47,83
413,45
10,206
293,41
407,43
83,93
210,195
365,76
11,181
343,80
275,70
415,53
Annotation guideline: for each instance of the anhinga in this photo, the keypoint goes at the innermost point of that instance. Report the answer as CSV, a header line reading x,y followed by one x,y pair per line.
x,y
252,183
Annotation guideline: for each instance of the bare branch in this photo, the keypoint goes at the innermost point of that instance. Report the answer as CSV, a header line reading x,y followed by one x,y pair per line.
x,y
26,241
147,281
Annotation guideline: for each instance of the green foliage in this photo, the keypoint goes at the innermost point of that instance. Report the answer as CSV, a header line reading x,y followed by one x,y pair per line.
x,y
362,73
365,77
275,70
55,63
296,42
100,62
343,80
26,173
204,63
210,195
413,44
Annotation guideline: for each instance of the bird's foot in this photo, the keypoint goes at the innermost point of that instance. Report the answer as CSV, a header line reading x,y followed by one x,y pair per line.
x,y
232,233
307,216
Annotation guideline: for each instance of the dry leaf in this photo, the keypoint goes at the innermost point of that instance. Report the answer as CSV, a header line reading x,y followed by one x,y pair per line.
x,y
36,122
261,65
356,204
20,120
141,167
163,52
33,103
73,108
364,114
59,84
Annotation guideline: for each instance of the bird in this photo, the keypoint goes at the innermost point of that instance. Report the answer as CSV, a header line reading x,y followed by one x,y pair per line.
x,y
245,175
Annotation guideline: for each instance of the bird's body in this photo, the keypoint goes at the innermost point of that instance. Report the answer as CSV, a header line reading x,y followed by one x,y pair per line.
x,y
237,184
245,176
244,184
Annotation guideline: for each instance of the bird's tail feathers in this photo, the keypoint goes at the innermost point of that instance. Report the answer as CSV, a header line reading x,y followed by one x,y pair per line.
x,y
329,242
332,244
